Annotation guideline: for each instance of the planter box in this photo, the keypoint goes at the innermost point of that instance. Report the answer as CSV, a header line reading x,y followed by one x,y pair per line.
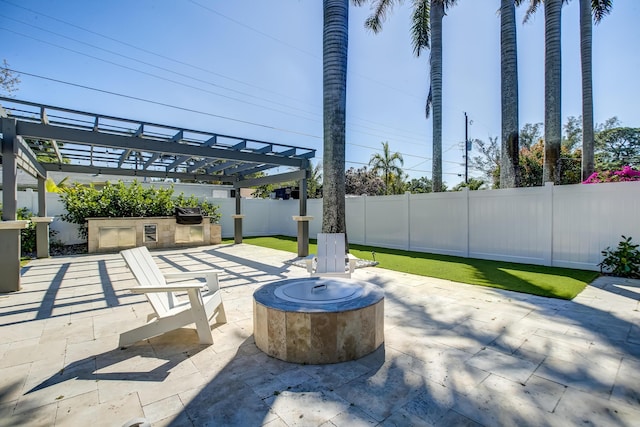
x,y
114,234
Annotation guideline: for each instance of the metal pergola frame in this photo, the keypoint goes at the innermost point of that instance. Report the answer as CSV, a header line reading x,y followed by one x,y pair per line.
x,y
81,142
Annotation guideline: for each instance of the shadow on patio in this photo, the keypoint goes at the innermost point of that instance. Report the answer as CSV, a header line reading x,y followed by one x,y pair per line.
x,y
453,355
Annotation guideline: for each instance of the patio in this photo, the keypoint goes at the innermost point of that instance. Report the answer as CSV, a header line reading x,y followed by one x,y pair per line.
x,y
454,354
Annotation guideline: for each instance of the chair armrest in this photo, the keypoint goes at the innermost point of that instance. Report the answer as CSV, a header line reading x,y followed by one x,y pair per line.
x,y
308,260
352,262
166,288
187,274
210,276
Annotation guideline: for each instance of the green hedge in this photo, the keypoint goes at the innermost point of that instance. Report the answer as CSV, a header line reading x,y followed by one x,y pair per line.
x,y
121,200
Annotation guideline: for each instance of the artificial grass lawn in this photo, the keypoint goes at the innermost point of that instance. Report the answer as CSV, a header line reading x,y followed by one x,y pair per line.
x,y
551,282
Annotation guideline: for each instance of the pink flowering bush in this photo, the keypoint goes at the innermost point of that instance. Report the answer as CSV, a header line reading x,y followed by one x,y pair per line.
x,y
626,174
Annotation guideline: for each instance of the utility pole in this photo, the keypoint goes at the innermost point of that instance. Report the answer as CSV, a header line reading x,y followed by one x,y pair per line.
x,y
466,148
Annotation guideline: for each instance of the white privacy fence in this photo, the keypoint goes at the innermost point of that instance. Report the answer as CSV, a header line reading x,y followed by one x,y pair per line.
x,y
566,226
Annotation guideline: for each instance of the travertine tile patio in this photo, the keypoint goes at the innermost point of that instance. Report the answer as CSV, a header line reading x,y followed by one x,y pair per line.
x,y
454,354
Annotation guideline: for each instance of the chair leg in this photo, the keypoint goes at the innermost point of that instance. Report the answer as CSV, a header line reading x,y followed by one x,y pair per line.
x,y
221,317
200,317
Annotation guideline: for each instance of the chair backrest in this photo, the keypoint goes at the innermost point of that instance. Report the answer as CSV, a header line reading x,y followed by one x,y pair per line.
x,y
147,273
331,253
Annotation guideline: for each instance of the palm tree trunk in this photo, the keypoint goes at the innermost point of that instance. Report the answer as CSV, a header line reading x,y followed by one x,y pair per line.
x,y
335,42
552,91
587,89
509,72
435,19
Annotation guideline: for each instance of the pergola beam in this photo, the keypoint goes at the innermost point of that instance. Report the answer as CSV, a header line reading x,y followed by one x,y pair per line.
x,y
153,158
27,160
177,162
45,120
221,166
199,164
123,157
272,179
120,138
37,130
55,167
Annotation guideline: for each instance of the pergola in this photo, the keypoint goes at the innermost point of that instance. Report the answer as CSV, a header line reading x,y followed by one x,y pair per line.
x,y
80,142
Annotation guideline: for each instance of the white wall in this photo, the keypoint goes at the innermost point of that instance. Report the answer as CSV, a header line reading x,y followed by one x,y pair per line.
x,y
566,226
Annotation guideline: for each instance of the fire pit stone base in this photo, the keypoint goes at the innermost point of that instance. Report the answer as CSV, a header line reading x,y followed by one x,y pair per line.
x,y
319,332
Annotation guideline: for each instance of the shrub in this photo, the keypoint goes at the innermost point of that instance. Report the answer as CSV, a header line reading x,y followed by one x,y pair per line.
x,y
121,200
624,261
27,235
626,174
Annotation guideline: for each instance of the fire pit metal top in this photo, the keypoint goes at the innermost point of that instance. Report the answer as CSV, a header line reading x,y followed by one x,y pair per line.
x,y
319,291
313,294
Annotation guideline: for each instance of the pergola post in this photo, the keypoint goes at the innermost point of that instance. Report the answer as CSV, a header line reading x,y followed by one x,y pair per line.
x,y
303,221
42,221
9,227
237,219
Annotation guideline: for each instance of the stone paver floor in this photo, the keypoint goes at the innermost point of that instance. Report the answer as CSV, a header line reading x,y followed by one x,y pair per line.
x,y
454,354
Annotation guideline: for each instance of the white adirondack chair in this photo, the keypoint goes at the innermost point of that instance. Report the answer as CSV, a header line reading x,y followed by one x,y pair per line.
x,y
332,259
170,312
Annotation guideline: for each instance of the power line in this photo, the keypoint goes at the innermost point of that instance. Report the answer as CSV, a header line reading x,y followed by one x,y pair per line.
x,y
126,67
190,77
131,59
187,76
200,68
190,110
124,43
289,45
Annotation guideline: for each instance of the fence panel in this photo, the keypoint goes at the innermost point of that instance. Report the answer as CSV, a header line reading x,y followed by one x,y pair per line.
x,y
510,225
588,218
565,226
439,223
387,221
356,218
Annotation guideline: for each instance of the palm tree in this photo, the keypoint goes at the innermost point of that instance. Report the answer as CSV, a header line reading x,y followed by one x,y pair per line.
x,y
509,162
599,8
334,52
552,86
426,32
435,92
552,91
553,8
386,163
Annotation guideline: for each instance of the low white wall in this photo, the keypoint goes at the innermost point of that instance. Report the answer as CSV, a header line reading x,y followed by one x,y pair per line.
x,y
565,226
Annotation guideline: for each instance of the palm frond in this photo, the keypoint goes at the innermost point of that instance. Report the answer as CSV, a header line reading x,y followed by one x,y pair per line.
x,y
420,29
379,15
533,8
600,9
427,108
447,4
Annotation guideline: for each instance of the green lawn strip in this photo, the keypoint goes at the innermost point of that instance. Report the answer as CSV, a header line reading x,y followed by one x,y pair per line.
x,y
552,282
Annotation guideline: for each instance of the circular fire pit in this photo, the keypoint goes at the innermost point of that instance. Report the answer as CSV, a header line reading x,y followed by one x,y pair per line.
x,y
318,320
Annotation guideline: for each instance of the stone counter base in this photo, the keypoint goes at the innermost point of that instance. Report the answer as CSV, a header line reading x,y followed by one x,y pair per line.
x,y
114,234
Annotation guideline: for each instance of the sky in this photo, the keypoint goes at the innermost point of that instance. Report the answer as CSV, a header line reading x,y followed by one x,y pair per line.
x,y
253,69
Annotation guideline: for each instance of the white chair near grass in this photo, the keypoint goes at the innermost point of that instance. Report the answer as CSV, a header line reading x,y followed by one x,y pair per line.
x,y
171,313
332,258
